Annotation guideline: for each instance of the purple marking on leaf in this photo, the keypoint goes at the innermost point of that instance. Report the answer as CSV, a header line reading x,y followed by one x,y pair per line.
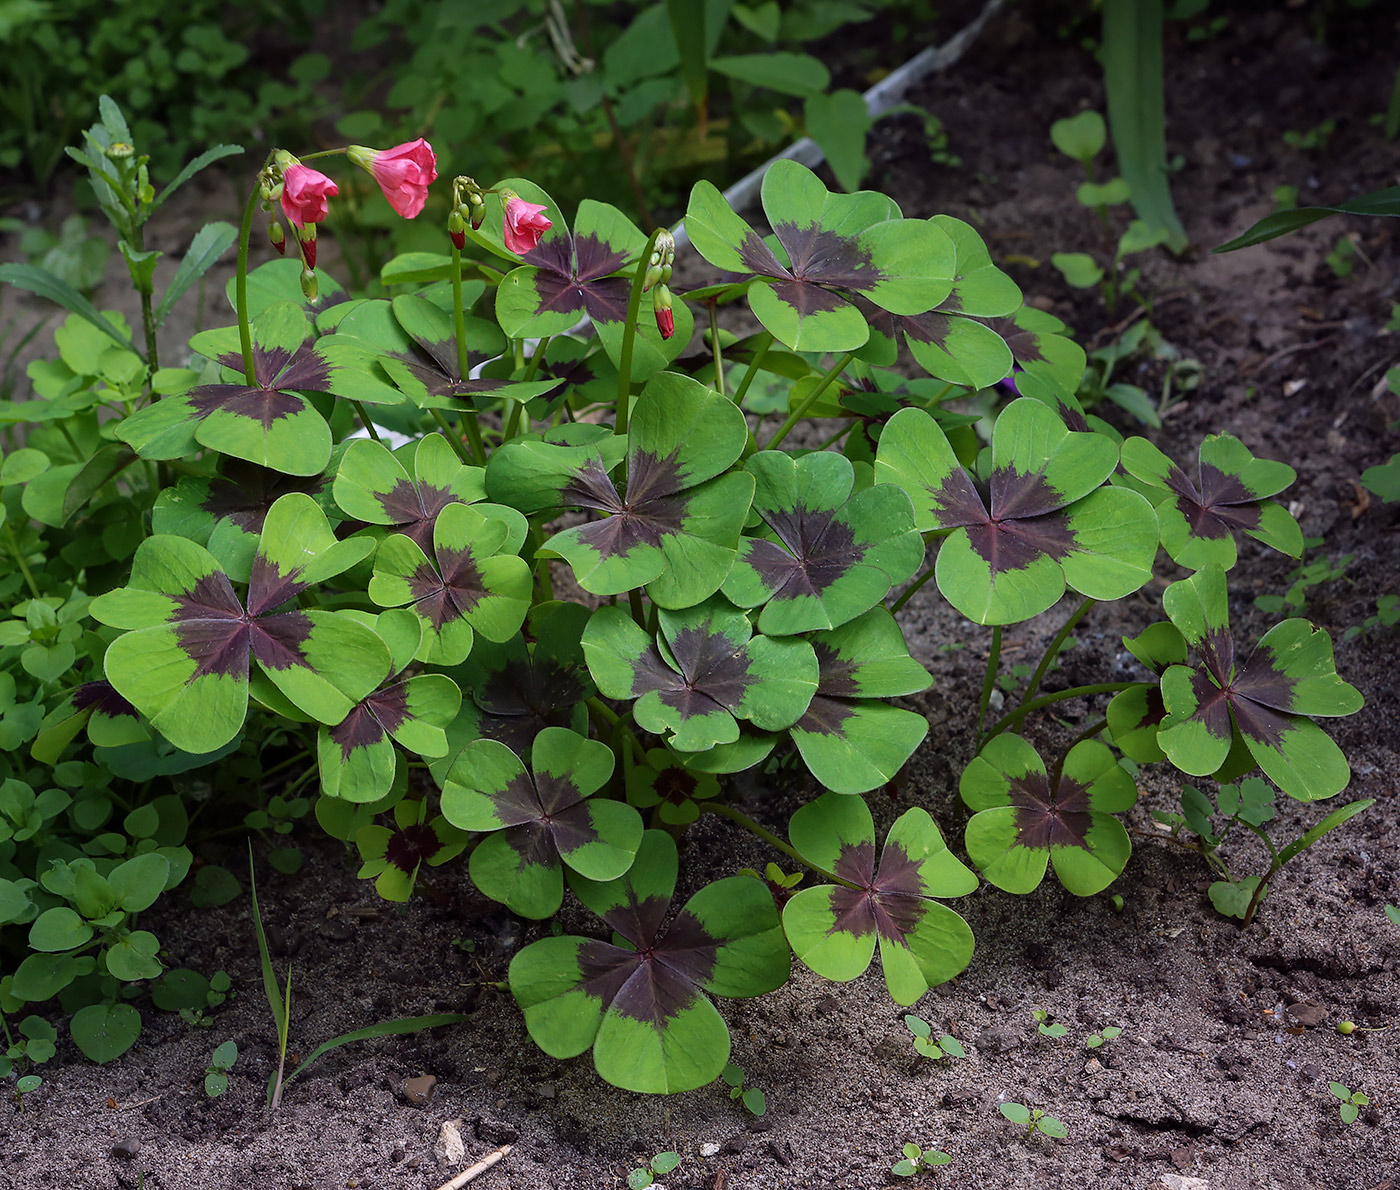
x,y
823,549
413,509
651,510
1259,722
596,258
554,254
262,405
101,698
826,257
1045,819
711,663
369,721
825,716
935,327
638,921
268,587
1024,345
1217,650
1260,681
759,258
889,903
277,640
1016,544
673,784
412,845
1017,494
245,492
212,627
959,502
572,278
1222,504
659,980
1212,705
836,675
806,298
521,700
1220,487
654,992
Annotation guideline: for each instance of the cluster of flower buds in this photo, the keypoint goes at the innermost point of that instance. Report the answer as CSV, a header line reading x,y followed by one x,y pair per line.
x,y
663,256
468,207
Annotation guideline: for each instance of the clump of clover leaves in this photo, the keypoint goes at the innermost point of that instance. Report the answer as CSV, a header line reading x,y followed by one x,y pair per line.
x,y
1248,804
328,551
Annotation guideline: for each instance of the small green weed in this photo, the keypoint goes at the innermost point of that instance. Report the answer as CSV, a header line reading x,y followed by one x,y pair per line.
x,y
917,1161
1351,1102
646,1175
1035,1120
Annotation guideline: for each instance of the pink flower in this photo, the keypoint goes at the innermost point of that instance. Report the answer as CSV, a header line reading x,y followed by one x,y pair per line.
x,y
523,223
304,194
404,173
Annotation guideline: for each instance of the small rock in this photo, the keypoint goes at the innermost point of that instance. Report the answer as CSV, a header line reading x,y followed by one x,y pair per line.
x,y
1093,1066
398,1154
450,1151
781,1153
1176,1181
735,1144
827,1005
1184,1157
760,1124
1308,1014
546,1091
418,1091
127,1147
495,1132
709,1149
1000,1039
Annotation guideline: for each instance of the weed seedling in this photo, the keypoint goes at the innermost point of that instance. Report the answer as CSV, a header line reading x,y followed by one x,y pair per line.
x,y
917,1161
752,1098
1351,1102
646,1175
1107,1033
1035,1120
1393,913
216,1076
1045,1027
946,1046
25,1085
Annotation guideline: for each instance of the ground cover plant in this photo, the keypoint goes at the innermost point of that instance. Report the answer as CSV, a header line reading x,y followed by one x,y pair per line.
x,y
492,580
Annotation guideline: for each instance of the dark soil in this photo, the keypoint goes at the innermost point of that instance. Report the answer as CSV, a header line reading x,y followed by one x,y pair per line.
x,y
1213,1085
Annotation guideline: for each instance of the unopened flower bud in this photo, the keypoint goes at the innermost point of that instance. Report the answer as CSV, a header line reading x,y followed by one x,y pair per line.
x,y
306,236
118,150
1346,1028
457,229
661,303
277,236
659,263
470,199
309,286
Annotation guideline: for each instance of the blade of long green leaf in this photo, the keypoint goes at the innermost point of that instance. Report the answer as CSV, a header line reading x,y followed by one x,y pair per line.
x,y
45,284
407,1024
1132,71
1377,202
688,28
210,242
1330,823
280,1009
208,157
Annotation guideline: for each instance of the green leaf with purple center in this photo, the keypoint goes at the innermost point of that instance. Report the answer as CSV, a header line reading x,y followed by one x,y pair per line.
x,y
184,660
1043,520
665,784
828,246
475,582
704,672
377,486
1023,820
270,422
1267,701
111,721
642,1006
829,555
392,858
428,370
834,928
540,817
1198,519
356,756
850,737
1041,345
675,526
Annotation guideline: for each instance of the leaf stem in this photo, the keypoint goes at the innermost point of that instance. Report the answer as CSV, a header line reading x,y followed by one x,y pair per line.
x,y
629,331
634,601
989,679
240,289
772,840
1052,651
365,420
911,590
459,326
810,399
1018,715
762,344
714,344
454,439
18,555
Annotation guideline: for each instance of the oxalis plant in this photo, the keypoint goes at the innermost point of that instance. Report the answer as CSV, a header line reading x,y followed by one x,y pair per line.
x,y
517,579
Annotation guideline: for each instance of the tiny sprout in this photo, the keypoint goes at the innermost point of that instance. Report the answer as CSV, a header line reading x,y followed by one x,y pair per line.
x,y
1034,1119
645,1175
1107,1033
946,1046
1046,1029
1351,1102
752,1098
216,1076
23,1086
1116,900
1393,912
917,1161
1346,1028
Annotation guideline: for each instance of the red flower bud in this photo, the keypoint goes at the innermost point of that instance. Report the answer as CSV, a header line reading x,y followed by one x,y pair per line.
x,y
277,236
665,317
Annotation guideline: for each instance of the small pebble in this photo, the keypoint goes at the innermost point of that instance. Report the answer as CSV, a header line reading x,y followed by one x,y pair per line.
x,y
709,1149
128,1147
419,1091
